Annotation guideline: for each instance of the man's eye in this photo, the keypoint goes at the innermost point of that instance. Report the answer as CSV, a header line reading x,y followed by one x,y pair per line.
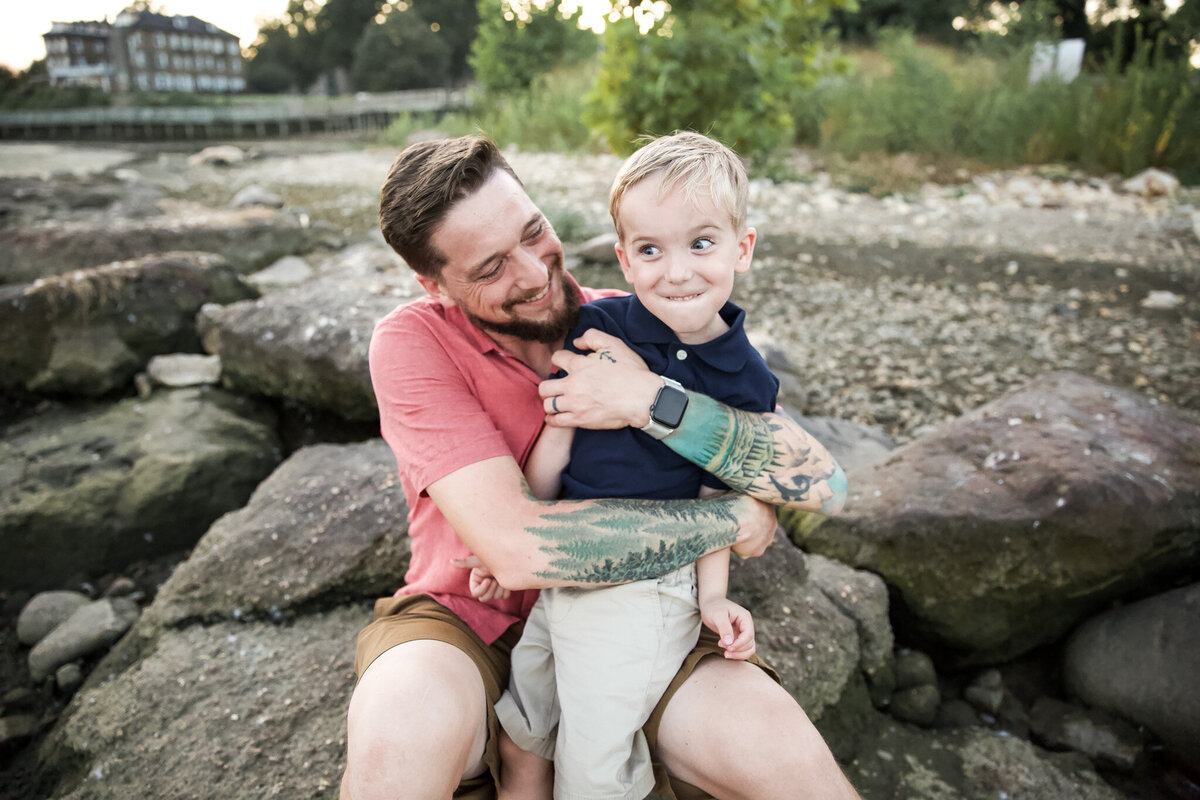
x,y
536,233
703,243
492,273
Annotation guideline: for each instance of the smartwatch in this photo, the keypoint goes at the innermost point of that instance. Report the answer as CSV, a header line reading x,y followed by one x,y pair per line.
x,y
666,412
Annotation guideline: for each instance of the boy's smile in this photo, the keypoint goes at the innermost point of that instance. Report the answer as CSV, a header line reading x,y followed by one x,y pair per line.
x,y
680,254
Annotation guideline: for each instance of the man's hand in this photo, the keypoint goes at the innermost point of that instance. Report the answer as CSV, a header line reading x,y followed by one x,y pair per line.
x,y
758,524
608,388
733,625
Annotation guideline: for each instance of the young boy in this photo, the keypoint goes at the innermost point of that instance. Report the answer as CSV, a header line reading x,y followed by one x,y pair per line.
x,y
592,663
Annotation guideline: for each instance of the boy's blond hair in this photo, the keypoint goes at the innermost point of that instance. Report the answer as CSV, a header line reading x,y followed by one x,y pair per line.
x,y
690,160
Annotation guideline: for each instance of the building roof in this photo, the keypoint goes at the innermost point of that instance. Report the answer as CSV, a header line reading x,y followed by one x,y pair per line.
x,y
99,28
148,20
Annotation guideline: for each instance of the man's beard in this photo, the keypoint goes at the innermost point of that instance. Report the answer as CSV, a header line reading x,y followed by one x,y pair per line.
x,y
551,331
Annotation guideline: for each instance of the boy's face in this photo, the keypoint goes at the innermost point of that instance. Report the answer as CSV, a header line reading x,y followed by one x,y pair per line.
x,y
681,257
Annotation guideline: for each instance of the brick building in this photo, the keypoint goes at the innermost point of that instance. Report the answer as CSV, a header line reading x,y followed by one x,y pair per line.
x,y
144,51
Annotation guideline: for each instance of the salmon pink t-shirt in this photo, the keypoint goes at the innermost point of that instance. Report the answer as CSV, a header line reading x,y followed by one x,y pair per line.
x,y
450,397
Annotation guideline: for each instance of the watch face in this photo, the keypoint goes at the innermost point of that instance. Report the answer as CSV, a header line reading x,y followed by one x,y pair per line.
x,y
669,406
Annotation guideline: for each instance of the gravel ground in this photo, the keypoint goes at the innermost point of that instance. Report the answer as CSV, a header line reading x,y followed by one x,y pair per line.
x,y
901,311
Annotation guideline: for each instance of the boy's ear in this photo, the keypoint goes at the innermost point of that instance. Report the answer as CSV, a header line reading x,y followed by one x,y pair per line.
x,y
434,289
624,259
746,249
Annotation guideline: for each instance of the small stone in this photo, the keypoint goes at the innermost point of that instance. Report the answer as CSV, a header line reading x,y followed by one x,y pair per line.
x,y
957,713
916,704
20,697
914,668
121,587
287,271
599,248
69,677
185,369
17,727
1101,737
1161,300
256,196
91,628
984,698
45,612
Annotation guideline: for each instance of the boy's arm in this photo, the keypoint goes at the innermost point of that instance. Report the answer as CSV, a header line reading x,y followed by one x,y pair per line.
x,y
549,457
732,623
764,455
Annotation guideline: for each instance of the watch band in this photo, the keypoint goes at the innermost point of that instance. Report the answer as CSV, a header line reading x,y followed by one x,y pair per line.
x,y
659,427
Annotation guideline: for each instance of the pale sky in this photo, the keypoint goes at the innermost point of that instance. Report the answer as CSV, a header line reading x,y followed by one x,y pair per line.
x,y
24,21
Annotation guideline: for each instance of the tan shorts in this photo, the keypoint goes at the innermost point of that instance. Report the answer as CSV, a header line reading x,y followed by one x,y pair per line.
x,y
410,618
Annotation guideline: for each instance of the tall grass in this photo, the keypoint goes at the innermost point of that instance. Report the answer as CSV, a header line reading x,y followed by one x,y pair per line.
x,y
931,102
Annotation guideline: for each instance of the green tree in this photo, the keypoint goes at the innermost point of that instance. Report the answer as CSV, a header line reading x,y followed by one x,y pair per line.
x,y
729,68
508,53
402,53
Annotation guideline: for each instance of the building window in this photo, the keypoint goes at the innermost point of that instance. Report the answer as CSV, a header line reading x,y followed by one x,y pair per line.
x,y
163,60
143,82
160,40
233,48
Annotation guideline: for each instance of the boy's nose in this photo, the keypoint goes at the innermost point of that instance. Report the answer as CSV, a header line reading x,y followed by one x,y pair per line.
x,y
678,269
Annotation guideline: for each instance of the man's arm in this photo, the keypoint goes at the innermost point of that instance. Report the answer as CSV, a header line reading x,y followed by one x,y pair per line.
x,y
766,456
528,543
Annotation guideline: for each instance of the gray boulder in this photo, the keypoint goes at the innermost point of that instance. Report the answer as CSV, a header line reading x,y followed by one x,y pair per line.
x,y
823,627
904,763
45,612
90,629
1139,661
1004,528
87,491
309,343
248,238
329,524
88,332
228,710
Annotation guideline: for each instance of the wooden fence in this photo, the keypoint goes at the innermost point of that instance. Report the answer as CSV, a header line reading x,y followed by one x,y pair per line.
x,y
286,117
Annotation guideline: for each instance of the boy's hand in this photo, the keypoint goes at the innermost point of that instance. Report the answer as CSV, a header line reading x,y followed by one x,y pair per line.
x,y
733,625
483,585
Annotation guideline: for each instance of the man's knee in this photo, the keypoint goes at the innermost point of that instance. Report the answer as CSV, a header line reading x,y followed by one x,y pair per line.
x,y
418,718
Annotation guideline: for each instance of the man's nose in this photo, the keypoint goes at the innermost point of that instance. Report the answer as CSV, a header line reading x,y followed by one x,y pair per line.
x,y
531,270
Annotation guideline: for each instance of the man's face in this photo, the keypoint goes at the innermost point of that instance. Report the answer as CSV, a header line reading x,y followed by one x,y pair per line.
x,y
504,265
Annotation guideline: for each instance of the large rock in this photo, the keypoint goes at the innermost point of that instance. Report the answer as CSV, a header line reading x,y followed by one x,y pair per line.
x,y
231,710
88,332
309,343
329,524
83,492
249,238
1140,661
823,626
903,763
1004,528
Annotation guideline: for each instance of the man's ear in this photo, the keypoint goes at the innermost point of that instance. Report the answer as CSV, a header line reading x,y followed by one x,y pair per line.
x,y
621,256
434,289
745,250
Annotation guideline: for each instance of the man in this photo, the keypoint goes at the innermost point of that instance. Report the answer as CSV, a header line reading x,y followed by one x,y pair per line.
x,y
459,377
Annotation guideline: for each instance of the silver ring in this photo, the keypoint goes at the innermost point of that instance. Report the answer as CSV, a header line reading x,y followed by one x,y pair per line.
x,y
554,404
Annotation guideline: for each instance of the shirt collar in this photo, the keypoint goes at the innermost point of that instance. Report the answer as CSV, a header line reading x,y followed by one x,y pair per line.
x,y
726,353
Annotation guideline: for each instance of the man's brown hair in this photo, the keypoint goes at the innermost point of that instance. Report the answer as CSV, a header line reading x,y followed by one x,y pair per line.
x,y
423,184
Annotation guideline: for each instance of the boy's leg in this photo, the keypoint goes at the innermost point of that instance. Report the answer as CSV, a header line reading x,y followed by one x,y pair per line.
x,y
528,713
615,651
737,734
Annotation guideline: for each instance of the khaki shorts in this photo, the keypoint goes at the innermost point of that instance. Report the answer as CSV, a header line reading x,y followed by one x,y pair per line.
x,y
414,617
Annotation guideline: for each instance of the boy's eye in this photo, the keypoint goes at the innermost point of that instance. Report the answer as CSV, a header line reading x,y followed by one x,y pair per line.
x,y
649,250
703,243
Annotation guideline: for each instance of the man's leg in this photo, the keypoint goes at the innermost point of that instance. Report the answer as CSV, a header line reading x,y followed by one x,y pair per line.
x,y
417,724
737,734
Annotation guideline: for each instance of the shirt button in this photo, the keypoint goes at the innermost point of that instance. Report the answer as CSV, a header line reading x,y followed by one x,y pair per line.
x,y
681,354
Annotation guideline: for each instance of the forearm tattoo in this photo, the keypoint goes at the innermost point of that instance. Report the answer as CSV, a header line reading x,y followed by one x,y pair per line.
x,y
764,455
621,540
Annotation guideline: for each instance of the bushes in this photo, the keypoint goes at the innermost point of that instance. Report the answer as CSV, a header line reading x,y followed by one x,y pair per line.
x,y
985,109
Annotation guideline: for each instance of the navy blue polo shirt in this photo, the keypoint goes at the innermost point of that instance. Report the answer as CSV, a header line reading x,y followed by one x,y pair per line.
x,y
630,463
